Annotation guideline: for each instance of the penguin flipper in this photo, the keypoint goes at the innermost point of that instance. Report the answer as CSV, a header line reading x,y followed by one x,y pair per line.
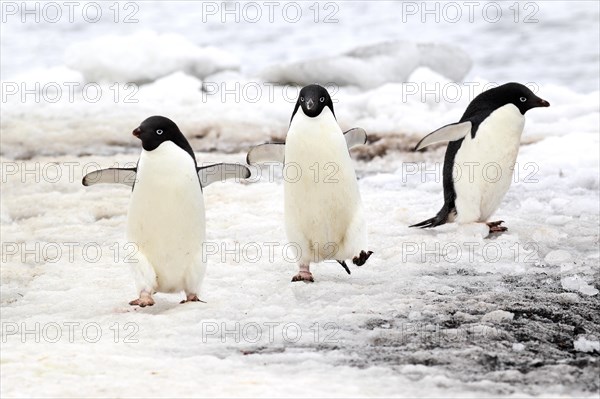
x,y
124,176
221,172
268,152
451,132
354,137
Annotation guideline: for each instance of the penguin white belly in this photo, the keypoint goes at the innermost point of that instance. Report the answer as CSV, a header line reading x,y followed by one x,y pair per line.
x,y
323,209
484,165
166,221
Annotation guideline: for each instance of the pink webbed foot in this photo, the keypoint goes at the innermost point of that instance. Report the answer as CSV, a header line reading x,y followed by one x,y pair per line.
x,y
496,228
303,276
144,300
192,298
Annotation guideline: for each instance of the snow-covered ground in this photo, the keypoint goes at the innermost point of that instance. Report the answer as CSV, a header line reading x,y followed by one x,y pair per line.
x,y
447,312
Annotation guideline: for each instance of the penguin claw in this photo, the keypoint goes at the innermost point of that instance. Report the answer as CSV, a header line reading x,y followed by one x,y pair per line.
x,y
361,259
307,277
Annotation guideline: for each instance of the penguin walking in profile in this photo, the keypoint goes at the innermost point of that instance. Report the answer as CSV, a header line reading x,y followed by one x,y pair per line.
x,y
166,217
481,155
324,217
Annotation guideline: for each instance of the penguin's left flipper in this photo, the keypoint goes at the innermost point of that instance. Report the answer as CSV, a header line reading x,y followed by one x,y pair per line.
x,y
268,152
124,176
451,132
354,137
221,172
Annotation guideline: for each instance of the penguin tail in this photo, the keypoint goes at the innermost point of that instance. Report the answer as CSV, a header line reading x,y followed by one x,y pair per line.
x,y
438,220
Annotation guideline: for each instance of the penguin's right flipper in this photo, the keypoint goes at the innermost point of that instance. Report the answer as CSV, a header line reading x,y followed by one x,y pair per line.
x,y
354,137
451,132
221,172
112,175
268,152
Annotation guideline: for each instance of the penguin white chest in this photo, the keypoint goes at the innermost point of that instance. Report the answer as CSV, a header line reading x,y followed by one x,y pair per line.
x,y
323,211
483,166
166,215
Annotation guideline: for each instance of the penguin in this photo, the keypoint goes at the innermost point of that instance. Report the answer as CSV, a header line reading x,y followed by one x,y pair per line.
x,y
166,217
324,217
481,154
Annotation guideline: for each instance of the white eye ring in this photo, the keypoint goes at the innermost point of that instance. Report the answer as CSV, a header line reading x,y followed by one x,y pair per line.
x,y
159,132
322,99
302,99
523,99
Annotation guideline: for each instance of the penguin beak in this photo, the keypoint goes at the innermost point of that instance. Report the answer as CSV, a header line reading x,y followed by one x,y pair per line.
x,y
137,132
543,103
309,104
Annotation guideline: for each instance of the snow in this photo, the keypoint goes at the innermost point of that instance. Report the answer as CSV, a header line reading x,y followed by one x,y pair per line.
x,y
371,66
448,312
584,345
145,56
497,316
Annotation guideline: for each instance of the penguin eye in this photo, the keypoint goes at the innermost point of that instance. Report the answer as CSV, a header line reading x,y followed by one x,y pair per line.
x,y
302,99
523,99
159,132
322,99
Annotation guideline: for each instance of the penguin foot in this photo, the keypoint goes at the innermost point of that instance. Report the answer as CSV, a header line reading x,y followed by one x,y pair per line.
x,y
361,259
144,300
344,265
303,276
495,227
192,298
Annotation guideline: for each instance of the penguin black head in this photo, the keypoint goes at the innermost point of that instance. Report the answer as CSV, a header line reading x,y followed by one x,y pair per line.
x,y
512,93
155,130
313,99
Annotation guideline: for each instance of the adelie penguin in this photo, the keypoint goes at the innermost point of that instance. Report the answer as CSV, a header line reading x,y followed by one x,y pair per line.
x,y
488,134
166,217
323,211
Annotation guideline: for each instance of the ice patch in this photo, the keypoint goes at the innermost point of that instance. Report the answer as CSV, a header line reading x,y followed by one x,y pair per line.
x,y
498,316
584,345
557,257
372,66
576,283
145,56
518,347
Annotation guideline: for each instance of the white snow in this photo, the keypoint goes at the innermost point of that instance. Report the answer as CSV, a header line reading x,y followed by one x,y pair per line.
x,y
576,283
447,312
498,316
584,345
145,56
372,66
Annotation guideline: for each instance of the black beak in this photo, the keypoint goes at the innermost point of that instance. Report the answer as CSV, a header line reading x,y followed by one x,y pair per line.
x,y
309,104
137,132
543,103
